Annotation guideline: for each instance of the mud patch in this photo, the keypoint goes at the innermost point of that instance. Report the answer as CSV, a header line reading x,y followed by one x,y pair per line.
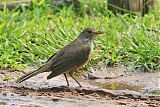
x,y
73,97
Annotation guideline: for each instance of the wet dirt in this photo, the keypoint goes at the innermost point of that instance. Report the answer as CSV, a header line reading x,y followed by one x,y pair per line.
x,y
115,87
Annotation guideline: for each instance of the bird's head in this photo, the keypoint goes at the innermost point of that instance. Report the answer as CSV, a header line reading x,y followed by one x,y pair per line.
x,y
90,33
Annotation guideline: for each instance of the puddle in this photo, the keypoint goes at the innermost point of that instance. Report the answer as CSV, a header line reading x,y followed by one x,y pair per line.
x,y
157,92
117,86
152,90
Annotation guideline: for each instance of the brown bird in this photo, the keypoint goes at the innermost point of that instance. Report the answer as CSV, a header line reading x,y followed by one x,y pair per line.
x,y
69,58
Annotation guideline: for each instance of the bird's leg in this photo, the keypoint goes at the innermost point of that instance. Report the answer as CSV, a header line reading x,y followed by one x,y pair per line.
x,y
66,79
71,74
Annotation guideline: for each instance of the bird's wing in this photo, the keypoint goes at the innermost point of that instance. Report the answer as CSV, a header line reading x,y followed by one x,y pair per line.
x,y
69,58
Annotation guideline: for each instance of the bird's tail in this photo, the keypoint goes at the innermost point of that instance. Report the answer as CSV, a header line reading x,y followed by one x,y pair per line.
x,y
29,75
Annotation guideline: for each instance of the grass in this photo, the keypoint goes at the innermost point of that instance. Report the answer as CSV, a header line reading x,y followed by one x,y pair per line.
x,y
30,37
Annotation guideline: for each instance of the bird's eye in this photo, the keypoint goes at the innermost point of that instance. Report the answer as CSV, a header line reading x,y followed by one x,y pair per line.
x,y
89,31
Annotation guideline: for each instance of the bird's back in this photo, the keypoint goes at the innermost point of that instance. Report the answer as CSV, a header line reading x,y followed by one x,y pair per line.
x,y
69,58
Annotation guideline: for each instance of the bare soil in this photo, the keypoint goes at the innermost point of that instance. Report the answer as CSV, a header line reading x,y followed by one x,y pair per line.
x,y
112,87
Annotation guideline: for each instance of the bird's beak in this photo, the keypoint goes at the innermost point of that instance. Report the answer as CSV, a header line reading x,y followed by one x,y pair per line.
x,y
98,32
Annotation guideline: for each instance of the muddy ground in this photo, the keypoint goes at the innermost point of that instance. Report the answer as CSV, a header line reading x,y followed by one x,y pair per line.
x,y
112,87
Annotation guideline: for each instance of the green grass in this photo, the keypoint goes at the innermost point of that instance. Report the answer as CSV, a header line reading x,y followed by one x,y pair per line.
x,y
30,37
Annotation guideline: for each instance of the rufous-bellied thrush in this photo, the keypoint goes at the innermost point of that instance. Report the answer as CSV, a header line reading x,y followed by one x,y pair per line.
x,y
69,58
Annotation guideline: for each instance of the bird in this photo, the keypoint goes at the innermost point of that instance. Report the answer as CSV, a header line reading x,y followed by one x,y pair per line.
x,y
68,59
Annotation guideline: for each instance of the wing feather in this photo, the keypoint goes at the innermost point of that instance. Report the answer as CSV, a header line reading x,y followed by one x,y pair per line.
x,y
70,59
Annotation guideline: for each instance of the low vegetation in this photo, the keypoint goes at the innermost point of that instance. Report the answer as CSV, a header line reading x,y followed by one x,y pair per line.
x,y
30,36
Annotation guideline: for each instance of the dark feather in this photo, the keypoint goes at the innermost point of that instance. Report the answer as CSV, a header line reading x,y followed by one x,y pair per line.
x,y
71,59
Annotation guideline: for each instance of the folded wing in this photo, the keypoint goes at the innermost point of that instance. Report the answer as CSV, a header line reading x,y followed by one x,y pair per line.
x,y
70,58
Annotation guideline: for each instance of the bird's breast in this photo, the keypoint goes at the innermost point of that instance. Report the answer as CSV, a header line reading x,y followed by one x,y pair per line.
x,y
90,52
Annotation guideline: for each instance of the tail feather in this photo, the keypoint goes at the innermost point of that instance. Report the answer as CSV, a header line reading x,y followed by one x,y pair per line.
x,y
29,75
